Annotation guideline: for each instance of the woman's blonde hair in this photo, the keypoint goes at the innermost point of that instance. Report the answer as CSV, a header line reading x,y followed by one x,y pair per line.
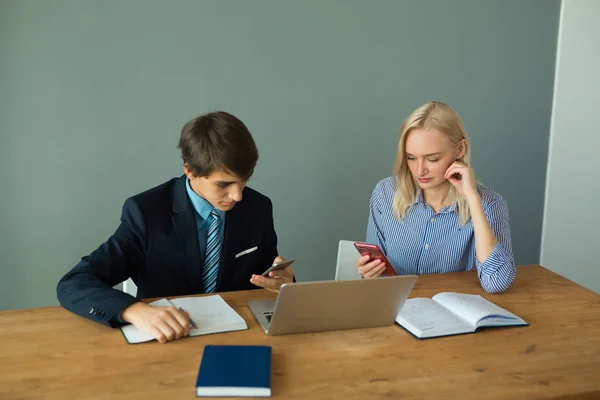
x,y
432,116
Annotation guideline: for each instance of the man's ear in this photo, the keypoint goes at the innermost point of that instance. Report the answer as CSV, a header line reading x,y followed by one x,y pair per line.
x,y
187,171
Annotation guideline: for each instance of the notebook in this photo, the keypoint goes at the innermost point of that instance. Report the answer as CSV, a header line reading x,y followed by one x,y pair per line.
x,y
235,371
210,313
452,314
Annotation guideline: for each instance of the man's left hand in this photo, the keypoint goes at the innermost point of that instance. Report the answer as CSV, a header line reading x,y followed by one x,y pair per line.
x,y
275,279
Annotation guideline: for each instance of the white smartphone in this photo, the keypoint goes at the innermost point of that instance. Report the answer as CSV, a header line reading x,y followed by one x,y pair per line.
x,y
278,266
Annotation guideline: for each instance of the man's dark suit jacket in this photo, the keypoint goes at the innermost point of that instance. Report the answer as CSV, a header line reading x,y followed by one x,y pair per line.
x,y
157,246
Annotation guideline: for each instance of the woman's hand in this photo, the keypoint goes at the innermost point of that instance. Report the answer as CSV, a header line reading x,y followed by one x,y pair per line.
x,y
462,177
371,269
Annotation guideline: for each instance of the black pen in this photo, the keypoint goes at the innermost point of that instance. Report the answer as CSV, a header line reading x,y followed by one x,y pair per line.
x,y
192,323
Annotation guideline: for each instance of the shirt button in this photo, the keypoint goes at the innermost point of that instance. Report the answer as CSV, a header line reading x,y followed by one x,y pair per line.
x,y
426,246
432,220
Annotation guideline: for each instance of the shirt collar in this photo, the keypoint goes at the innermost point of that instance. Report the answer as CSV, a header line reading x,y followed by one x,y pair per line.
x,y
419,199
201,205
450,208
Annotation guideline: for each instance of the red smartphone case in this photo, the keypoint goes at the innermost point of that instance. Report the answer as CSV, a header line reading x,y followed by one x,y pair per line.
x,y
375,253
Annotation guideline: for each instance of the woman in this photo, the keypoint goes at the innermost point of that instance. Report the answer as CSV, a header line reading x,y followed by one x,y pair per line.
x,y
431,216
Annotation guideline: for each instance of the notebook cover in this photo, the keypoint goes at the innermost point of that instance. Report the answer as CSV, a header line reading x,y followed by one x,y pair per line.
x,y
235,366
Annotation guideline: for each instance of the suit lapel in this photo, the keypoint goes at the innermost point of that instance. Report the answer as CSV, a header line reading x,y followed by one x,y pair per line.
x,y
184,222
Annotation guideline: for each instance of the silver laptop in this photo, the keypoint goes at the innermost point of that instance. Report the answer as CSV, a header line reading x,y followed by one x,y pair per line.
x,y
333,305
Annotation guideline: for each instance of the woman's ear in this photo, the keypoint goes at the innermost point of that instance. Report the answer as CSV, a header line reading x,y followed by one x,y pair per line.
x,y
462,150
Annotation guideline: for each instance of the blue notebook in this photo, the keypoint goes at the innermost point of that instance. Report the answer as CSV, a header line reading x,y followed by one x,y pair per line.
x,y
235,371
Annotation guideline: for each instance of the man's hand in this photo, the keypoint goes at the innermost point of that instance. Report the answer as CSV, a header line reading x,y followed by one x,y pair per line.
x,y
275,279
163,323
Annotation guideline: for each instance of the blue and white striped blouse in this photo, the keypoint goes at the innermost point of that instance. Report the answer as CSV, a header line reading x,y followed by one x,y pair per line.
x,y
426,242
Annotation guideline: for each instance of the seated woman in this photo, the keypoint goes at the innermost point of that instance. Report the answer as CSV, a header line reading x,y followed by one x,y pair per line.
x,y
431,216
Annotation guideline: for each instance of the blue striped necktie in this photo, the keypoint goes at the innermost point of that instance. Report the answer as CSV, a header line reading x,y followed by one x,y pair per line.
x,y
213,254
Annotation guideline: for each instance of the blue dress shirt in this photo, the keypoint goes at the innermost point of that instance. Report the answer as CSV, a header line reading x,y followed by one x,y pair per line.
x,y
426,242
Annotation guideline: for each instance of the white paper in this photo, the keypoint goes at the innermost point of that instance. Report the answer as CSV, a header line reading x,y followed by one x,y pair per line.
x,y
425,318
210,313
476,310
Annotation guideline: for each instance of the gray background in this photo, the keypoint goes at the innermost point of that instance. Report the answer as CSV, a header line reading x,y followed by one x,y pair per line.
x,y
93,96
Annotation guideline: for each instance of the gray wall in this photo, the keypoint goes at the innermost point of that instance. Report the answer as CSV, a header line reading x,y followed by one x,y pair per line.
x,y
94,93
571,220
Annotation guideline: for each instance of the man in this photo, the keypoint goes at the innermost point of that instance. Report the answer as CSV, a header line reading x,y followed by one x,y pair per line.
x,y
201,233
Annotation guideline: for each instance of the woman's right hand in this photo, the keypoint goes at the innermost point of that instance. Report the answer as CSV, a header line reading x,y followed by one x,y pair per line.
x,y
370,269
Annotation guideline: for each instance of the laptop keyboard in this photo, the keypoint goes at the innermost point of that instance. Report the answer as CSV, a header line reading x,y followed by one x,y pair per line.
x,y
268,315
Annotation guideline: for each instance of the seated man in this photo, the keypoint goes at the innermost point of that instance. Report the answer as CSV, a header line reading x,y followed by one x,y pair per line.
x,y
203,232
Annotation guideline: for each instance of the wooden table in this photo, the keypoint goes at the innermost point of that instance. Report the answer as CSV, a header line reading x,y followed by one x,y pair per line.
x,y
51,353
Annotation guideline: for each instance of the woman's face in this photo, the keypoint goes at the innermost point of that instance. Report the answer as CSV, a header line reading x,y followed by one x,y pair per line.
x,y
429,154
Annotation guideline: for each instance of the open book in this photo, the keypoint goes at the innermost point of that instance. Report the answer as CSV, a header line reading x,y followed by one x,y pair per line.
x,y
210,313
452,314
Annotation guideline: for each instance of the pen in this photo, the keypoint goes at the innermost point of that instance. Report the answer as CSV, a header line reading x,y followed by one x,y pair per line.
x,y
192,323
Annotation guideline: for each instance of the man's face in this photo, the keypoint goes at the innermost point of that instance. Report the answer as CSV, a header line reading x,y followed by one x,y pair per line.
x,y
221,189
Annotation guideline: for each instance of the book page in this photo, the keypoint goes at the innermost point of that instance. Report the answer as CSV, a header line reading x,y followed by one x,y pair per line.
x,y
476,310
425,318
210,313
